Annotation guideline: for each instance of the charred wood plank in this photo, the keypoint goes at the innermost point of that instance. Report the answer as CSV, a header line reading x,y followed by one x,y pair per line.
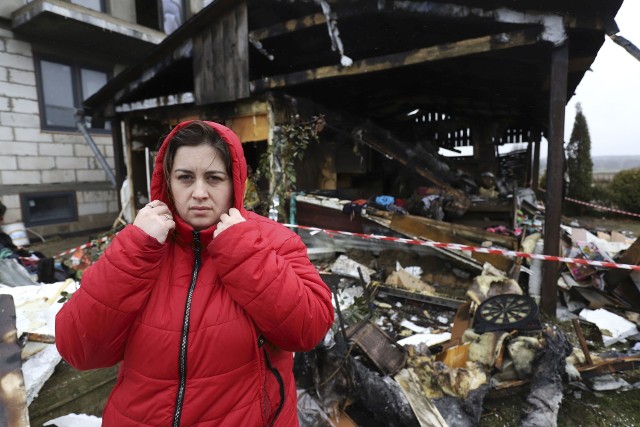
x,y
489,43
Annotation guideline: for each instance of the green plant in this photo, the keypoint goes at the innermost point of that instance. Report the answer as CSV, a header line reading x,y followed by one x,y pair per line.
x,y
277,164
625,188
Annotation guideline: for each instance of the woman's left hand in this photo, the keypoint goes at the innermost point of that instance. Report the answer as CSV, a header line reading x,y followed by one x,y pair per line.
x,y
227,220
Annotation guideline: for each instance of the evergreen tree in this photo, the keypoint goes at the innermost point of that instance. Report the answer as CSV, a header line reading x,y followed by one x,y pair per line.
x,y
579,163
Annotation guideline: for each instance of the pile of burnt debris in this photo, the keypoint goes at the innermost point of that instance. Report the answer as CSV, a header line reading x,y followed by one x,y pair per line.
x,y
425,332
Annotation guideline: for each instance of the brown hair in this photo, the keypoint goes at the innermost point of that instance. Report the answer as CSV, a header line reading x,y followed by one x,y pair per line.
x,y
195,133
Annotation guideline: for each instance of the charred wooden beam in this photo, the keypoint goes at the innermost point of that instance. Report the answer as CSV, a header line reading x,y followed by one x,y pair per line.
x,y
289,26
489,43
627,45
555,163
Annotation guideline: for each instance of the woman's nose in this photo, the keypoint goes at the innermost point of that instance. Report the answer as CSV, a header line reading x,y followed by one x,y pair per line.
x,y
200,190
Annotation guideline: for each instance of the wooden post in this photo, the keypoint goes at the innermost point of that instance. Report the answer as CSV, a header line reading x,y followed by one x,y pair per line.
x,y
535,172
555,159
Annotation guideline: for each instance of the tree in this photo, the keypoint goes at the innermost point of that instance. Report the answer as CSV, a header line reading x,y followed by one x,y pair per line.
x,y
625,187
579,163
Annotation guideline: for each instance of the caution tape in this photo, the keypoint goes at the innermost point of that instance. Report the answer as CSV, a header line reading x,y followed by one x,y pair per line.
x,y
459,247
86,245
599,207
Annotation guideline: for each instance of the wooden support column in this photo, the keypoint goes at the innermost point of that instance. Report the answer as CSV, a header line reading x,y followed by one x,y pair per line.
x,y
555,156
536,164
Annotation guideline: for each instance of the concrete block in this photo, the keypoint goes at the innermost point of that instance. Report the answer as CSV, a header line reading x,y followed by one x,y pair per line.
x,y
92,208
6,134
19,120
11,201
95,196
4,74
55,149
53,176
15,90
36,163
97,175
32,135
18,47
21,62
19,149
69,138
72,163
22,77
8,162
4,103
26,106
20,177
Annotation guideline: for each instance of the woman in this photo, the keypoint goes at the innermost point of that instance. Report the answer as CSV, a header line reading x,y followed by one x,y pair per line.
x,y
201,301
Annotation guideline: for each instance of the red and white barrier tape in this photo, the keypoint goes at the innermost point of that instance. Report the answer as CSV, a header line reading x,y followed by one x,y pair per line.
x,y
602,208
86,245
456,246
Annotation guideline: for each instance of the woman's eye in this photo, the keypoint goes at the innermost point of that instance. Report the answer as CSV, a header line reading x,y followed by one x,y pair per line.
x,y
184,177
215,178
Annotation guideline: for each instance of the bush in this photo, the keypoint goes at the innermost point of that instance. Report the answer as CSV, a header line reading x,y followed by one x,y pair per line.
x,y
625,188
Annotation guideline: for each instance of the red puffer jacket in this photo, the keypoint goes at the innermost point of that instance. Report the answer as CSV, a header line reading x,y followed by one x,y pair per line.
x,y
203,328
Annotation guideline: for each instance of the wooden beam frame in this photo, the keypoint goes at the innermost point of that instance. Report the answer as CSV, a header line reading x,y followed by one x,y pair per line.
x,y
489,43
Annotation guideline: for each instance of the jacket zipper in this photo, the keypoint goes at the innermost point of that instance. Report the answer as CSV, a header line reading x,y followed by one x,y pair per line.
x,y
276,374
182,359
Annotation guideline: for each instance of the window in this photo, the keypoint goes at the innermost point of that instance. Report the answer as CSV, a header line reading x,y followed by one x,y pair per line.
x,y
48,208
161,15
91,4
63,87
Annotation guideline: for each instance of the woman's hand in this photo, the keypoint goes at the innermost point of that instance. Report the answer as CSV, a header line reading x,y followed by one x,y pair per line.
x,y
227,220
155,219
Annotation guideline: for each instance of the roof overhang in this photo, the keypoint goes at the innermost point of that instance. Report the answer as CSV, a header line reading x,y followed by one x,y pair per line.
x,y
70,25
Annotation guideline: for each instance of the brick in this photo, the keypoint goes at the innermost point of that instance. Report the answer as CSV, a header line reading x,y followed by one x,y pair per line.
x,y
8,162
58,176
4,75
32,135
55,149
20,177
19,148
19,120
15,90
22,77
72,163
36,163
97,175
25,106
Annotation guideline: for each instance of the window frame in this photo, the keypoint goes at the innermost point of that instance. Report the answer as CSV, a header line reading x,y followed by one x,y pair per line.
x,y
26,214
76,85
103,6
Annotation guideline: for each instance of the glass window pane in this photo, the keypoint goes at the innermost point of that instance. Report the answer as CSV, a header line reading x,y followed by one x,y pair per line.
x,y
92,81
91,4
172,10
57,87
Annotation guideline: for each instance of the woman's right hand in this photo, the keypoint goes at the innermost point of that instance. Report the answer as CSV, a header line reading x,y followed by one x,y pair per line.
x,y
156,220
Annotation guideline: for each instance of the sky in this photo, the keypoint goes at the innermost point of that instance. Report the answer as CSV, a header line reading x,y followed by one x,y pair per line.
x,y
610,94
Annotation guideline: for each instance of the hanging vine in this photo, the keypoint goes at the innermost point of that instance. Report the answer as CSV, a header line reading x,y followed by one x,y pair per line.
x,y
277,164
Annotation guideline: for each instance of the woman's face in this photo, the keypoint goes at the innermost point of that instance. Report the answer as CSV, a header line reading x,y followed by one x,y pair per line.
x,y
201,188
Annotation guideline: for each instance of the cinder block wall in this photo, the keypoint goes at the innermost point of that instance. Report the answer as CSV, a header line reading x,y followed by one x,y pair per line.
x,y
35,160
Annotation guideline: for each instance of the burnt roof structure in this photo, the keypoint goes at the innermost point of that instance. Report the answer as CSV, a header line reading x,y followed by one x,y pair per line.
x,y
444,73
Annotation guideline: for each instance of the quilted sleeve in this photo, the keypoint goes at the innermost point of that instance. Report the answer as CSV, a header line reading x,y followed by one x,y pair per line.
x,y
265,269
92,327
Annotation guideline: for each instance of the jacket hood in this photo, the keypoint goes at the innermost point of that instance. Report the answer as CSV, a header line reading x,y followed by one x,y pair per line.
x,y
159,188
